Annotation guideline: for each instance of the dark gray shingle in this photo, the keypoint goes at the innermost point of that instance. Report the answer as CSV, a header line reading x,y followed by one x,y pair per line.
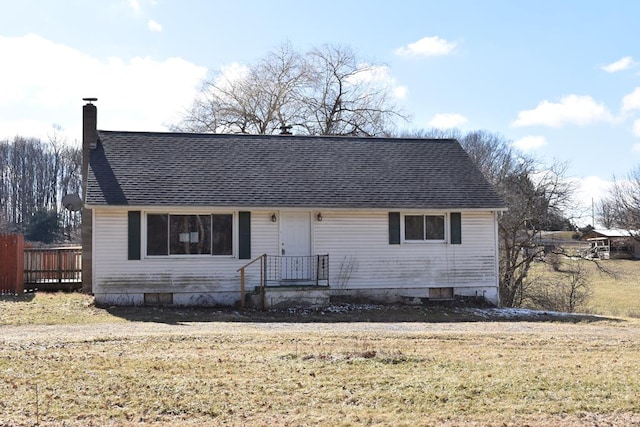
x,y
173,169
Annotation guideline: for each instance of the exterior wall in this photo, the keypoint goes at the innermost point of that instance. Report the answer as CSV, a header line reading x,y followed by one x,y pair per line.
x,y
194,280
362,262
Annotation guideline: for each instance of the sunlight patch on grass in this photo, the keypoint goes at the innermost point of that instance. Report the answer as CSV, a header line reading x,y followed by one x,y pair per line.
x,y
45,308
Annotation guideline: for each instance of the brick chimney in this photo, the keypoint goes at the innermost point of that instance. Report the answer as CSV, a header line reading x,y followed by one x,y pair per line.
x,y
89,142
90,123
89,135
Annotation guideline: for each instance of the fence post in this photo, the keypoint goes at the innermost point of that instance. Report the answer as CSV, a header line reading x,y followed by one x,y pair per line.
x,y
59,266
263,277
12,263
242,287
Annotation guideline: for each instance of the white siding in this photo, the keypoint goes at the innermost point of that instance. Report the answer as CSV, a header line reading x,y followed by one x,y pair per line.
x,y
114,274
361,259
361,256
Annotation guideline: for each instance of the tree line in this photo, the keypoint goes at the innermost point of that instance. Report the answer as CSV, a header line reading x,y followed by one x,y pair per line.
x,y
34,177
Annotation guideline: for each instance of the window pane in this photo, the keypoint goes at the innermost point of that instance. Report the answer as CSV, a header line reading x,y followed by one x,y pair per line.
x,y
222,234
189,234
157,235
414,227
435,227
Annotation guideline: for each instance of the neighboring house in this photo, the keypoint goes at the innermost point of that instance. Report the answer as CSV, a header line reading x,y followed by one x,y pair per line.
x,y
614,244
172,218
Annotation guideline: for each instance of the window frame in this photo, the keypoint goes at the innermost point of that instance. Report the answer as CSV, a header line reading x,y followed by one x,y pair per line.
x,y
234,234
424,240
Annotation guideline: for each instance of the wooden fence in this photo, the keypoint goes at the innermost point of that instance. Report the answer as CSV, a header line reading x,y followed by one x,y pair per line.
x,y
53,269
11,264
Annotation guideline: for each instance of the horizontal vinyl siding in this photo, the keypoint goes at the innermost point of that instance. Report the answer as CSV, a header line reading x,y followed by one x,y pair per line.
x,y
361,256
113,273
357,243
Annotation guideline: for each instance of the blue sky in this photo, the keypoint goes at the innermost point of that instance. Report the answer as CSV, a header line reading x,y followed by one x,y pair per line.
x,y
561,79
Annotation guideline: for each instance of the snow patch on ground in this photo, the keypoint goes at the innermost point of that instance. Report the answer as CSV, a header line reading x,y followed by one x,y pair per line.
x,y
516,313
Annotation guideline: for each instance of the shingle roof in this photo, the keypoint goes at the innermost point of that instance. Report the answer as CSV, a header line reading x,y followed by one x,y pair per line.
x,y
173,169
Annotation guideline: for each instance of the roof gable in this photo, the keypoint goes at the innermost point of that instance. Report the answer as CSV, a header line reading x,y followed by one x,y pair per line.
x,y
173,169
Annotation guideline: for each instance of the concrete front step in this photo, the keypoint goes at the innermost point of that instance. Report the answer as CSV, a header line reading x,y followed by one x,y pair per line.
x,y
291,296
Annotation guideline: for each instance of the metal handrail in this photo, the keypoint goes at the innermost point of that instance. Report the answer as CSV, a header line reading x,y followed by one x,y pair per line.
x,y
279,269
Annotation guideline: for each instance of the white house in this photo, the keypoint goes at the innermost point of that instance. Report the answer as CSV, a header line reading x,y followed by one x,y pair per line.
x,y
173,217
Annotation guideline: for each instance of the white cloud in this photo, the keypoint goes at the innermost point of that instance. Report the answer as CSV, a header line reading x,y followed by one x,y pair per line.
x,y
631,101
636,148
154,26
427,46
636,127
379,76
589,190
134,5
529,143
572,109
620,65
401,92
447,120
231,73
140,94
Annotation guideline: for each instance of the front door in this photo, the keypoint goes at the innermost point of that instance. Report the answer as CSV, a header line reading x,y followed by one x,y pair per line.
x,y
295,245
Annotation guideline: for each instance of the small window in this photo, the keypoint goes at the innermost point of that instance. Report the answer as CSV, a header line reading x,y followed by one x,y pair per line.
x,y
424,227
189,234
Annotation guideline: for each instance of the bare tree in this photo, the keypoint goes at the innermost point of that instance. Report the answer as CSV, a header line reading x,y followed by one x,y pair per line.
x,y
624,202
567,293
605,213
346,97
533,194
326,91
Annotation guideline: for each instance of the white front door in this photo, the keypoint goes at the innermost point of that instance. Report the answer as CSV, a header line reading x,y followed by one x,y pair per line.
x,y
295,245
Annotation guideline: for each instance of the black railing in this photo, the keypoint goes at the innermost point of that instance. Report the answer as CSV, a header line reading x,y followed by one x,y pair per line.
x,y
286,271
296,270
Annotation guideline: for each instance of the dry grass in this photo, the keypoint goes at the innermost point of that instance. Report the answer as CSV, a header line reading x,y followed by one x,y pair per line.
x,y
169,367
615,286
617,294
50,309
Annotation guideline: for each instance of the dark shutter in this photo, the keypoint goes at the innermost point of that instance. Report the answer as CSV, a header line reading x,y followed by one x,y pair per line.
x,y
394,228
134,235
244,235
456,228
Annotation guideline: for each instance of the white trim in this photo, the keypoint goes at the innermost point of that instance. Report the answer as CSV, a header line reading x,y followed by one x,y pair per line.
x,y
278,208
446,226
